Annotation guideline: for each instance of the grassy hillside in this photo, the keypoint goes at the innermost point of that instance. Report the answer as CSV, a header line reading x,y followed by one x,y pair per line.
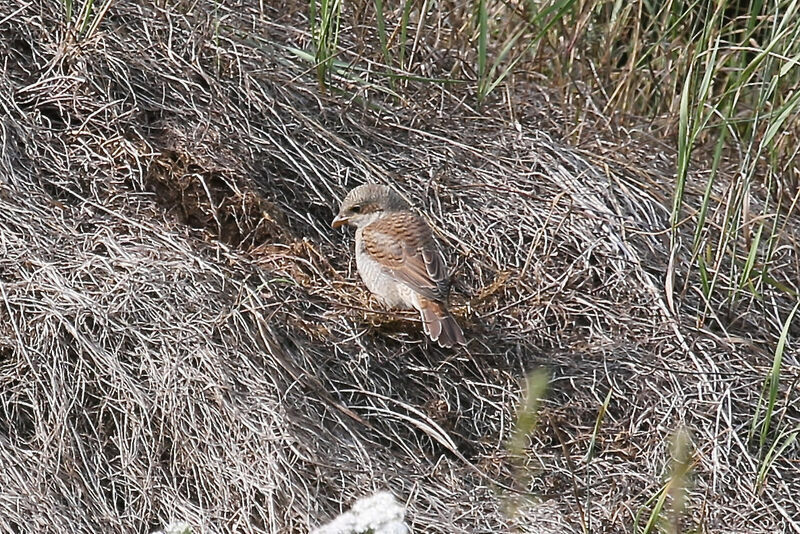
x,y
184,337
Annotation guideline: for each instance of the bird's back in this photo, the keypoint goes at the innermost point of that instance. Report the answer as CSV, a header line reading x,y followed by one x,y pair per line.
x,y
402,243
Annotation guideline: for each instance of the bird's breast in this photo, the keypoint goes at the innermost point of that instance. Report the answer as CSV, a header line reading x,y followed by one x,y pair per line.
x,y
392,292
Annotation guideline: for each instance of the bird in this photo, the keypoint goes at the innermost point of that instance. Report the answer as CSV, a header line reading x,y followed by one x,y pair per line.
x,y
398,259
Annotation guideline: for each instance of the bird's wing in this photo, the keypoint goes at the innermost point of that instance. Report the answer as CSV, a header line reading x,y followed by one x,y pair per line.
x,y
403,245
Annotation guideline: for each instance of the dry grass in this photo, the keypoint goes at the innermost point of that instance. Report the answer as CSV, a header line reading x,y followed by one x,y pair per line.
x,y
182,337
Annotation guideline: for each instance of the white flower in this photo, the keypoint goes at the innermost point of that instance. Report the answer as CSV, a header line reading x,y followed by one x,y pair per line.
x,y
178,527
377,514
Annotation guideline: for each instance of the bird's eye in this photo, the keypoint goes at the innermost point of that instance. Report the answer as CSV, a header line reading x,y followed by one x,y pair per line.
x,y
356,209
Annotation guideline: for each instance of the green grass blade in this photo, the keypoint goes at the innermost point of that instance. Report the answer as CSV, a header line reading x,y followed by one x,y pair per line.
x,y
404,31
684,153
774,377
597,424
483,41
788,109
675,488
751,257
774,452
381,25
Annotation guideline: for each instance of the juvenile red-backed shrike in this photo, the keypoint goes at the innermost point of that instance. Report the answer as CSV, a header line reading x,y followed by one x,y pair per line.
x,y
398,260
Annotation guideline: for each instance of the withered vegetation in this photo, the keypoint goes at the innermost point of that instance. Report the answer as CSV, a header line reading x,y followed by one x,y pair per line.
x,y
183,337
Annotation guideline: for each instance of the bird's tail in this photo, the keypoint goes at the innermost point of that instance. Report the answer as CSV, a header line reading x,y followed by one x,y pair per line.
x,y
439,324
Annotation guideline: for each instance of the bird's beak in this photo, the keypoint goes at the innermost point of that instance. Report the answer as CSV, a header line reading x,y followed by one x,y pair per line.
x,y
340,220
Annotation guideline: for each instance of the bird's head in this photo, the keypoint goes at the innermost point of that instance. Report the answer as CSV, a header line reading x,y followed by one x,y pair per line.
x,y
366,204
